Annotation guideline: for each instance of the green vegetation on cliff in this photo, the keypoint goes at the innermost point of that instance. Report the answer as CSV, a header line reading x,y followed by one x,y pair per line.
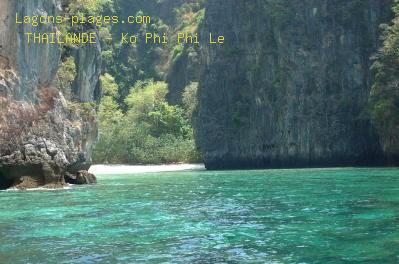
x,y
290,85
385,92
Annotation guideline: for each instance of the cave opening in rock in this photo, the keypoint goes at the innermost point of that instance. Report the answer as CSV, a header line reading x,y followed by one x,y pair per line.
x,y
5,183
22,176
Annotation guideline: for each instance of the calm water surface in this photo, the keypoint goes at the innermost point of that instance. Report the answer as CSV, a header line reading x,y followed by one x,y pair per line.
x,y
271,216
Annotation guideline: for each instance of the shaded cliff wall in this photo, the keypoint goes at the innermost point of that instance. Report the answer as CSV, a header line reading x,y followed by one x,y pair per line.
x,y
290,87
43,138
384,99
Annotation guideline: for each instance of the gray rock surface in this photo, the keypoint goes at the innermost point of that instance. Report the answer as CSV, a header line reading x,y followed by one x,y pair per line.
x,y
290,86
43,138
36,64
88,62
82,177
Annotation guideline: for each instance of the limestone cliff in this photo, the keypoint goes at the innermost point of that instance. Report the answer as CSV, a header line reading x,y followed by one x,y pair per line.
x,y
290,87
35,65
43,138
87,83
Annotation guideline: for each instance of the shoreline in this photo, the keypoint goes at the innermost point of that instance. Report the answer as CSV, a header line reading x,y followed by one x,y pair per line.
x,y
49,187
102,169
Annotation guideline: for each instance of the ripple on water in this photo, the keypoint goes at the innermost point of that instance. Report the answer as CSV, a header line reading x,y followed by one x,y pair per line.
x,y
274,216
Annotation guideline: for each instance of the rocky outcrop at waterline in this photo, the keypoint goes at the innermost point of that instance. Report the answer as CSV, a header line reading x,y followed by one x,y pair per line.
x,y
44,139
290,86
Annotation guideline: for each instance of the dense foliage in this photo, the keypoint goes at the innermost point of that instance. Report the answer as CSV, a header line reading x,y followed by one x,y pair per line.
x,y
131,63
151,130
138,124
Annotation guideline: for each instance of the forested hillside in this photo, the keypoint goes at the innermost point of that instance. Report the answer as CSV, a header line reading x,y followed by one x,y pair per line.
x,y
149,90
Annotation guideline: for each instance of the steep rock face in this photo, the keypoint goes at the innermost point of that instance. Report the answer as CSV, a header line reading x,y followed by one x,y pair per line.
x,y
290,86
88,65
44,140
384,96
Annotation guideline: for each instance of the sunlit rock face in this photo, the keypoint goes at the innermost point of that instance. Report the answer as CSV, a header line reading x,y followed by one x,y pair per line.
x,y
36,64
290,86
43,138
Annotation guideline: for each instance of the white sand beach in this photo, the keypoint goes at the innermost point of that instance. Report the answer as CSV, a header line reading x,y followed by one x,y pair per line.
x,y
124,169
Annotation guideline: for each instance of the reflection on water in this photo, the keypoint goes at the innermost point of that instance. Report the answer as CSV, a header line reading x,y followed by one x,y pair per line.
x,y
272,216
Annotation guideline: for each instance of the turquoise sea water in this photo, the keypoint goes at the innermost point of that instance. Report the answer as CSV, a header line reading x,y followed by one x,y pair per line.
x,y
271,216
